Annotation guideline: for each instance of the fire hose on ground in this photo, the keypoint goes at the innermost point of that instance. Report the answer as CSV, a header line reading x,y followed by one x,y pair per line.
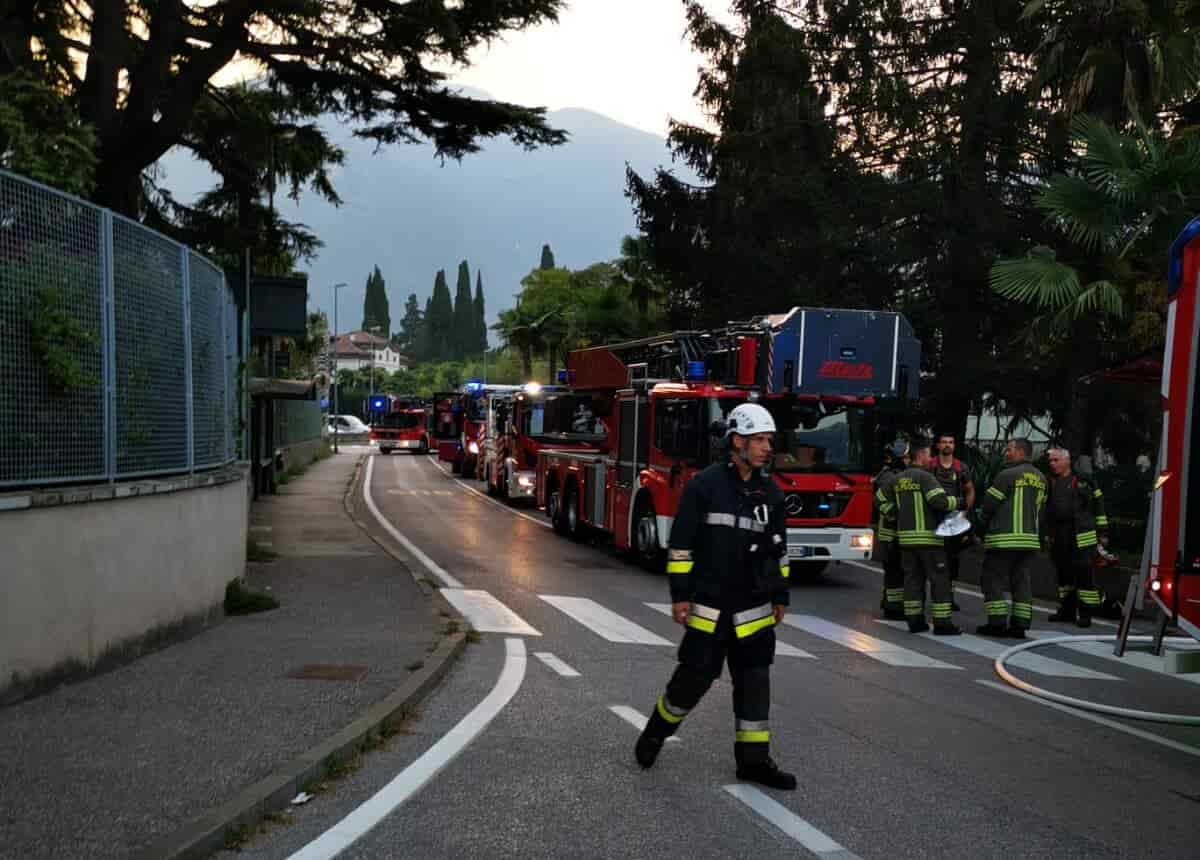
x,y
1083,704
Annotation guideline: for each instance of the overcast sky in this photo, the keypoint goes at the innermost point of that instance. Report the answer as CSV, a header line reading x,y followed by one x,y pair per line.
x,y
627,59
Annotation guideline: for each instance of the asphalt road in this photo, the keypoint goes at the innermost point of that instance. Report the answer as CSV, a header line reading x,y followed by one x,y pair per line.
x,y
904,746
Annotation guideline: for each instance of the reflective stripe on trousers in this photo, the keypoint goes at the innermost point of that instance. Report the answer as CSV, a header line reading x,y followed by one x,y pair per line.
x,y
750,621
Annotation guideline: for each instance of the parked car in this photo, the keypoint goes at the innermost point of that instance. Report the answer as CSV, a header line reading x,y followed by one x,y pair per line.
x,y
348,426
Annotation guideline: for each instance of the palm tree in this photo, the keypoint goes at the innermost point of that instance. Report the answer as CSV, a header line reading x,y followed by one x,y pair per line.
x,y
1118,213
636,268
521,329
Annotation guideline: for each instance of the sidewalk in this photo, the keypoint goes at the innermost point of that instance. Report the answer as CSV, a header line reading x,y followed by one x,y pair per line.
x,y
159,757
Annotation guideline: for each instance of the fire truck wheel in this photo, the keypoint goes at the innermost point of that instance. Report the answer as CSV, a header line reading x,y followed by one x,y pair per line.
x,y
645,538
572,527
554,511
456,466
423,448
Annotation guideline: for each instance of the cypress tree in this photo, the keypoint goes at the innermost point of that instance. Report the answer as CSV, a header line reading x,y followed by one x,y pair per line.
x,y
481,342
463,334
547,258
440,320
375,304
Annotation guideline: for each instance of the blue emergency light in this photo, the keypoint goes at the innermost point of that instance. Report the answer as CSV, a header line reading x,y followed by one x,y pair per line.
x,y
562,377
696,371
474,386
378,403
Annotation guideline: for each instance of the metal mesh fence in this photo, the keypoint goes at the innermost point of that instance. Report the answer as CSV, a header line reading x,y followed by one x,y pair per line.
x,y
296,421
95,350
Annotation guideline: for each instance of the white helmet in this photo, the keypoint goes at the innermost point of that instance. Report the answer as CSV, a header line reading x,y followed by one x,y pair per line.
x,y
748,419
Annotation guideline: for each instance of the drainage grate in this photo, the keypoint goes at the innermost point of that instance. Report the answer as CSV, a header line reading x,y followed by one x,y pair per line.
x,y
328,672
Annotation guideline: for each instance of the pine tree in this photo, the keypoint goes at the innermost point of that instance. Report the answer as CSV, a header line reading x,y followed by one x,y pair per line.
x,y
463,333
547,258
440,320
481,341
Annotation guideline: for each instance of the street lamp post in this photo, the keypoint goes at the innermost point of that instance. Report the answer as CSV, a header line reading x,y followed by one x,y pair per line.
x,y
336,287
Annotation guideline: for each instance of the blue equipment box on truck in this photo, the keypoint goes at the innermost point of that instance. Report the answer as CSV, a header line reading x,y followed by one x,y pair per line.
x,y
835,351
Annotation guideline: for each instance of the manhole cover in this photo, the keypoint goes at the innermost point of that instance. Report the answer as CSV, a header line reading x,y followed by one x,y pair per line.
x,y
328,672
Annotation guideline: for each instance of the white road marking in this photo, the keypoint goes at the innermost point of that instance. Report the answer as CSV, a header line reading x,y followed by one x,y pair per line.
x,y
1133,657
869,646
485,497
410,780
1035,663
487,614
604,622
556,664
789,822
1094,718
962,589
634,718
782,649
419,492
413,550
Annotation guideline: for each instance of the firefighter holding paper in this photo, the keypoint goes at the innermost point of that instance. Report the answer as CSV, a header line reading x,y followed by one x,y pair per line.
x,y
917,500
727,566
1077,528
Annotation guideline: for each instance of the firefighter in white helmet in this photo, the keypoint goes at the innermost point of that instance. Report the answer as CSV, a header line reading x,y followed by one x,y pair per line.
x,y
727,566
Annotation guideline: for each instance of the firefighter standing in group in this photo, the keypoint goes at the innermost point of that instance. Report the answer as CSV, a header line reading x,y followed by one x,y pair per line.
x,y
1076,528
956,481
1011,519
727,566
917,499
887,552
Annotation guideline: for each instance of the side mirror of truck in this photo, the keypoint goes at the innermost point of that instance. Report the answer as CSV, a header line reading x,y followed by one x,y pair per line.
x,y
717,429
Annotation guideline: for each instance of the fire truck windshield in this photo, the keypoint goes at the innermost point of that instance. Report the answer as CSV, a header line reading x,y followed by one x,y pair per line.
x,y
821,437
403,420
561,416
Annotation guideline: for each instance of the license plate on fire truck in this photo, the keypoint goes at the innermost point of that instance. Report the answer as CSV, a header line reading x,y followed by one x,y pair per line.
x,y
800,551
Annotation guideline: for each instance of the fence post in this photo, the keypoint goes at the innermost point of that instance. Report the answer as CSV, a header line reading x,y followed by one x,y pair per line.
x,y
187,358
108,344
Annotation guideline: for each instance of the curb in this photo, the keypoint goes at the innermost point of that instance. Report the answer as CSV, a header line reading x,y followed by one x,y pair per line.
x,y
211,832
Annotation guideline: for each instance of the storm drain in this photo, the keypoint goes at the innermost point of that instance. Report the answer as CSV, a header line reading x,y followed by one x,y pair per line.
x,y
328,672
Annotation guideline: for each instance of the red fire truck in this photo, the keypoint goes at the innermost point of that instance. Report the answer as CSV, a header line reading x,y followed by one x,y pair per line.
x,y
521,423
403,426
458,420
672,394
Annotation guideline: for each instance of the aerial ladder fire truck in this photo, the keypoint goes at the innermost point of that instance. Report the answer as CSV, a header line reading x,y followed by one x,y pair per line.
x,y
822,373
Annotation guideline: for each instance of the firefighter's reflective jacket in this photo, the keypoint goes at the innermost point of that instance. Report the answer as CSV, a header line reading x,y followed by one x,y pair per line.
x,y
915,499
1012,509
728,545
885,524
1086,503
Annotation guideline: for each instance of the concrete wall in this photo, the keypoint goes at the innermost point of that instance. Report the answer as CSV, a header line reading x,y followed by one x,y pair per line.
x,y
90,577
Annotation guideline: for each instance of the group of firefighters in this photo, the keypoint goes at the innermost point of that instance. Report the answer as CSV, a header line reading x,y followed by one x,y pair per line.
x,y
1020,513
727,566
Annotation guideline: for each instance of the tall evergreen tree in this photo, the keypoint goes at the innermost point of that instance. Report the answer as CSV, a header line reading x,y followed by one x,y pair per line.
x,y
547,258
481,341
371,302
423,348
440,320
410,326
463,337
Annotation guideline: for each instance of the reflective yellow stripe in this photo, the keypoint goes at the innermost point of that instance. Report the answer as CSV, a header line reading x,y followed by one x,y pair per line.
x,y
701,624
752,627
753,737
994,493
666,714
1096,494
785,570
679,566
679,554
936,491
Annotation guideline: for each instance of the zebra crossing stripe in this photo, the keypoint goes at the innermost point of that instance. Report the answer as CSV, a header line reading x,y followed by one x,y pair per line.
x,y
782,649
1035,663
604,622
634,718
868,646
1103,650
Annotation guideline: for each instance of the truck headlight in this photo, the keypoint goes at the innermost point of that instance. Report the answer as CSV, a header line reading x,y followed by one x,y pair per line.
x,y
473,447
860,542
524,481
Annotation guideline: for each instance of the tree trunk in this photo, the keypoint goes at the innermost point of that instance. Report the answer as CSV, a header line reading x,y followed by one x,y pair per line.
x,y
527,361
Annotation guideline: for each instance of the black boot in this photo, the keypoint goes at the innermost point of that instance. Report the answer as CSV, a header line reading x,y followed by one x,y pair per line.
x,y
946,628
894,614
650,742
1066,609
1084,620
997,631
767,773
918,626
1014,632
